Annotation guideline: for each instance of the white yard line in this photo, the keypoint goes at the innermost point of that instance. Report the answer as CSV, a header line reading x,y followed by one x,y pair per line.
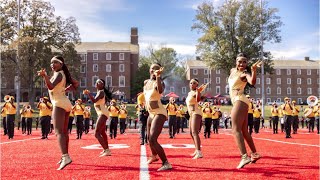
x,y
12,141
144,171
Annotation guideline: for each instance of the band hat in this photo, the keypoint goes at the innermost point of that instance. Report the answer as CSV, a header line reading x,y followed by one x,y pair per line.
x,y
46,98
293,101
248,96
286,98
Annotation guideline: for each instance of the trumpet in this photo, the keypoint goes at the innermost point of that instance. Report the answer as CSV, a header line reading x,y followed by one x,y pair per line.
x,y
88,108
28,107
7,98
41,100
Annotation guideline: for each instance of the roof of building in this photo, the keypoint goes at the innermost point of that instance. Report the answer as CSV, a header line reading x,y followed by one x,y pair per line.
x,y
85,47
278,64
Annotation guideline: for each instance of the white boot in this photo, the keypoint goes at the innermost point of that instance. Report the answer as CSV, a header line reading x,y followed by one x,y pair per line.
x,y
106,152
66,160
198,155
244,161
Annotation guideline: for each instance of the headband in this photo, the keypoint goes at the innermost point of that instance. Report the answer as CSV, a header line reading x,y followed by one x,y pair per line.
x,y
100,81
56,59
192,80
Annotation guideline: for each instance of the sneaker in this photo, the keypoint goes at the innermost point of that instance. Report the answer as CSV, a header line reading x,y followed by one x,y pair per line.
x,y
165,166
244,161
255,157
152,159
198,155
106,152
66,160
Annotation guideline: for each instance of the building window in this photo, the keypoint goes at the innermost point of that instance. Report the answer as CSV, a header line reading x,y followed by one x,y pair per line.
x,y
317,71
268,81
300,101
298,90
217,80
205,80
227,89
298,71
82,69
278,71
268,100
318,80
121,56
289,90
206,71
218,89
195,71
298,80
95,68
258,81
95,56
309,81
278,90
83,57
258,91
288,80
122,81
288,71
94,80
308,71
108,56
184,90
108,68
109,81
217,71
278,80
121,67
309,91
278,100
83,82
171,89
268,90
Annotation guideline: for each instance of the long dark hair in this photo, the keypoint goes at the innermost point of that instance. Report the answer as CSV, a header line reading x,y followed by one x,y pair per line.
x,y
66,71
107,93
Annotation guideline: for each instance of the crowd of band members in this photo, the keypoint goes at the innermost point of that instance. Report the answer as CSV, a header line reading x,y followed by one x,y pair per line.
x,y
287,115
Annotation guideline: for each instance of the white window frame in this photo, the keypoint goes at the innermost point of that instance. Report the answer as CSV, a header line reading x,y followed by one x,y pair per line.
x,y
217,80
218,71
268,100
205,80
171,89
195,71
298,80
268,90
227,89
288,71
318,80
94,79
93,67
184,90
278,99
299,90
206,71
289,90
108,67
288,80
309,81
278,90
218,90
258,81
309,91
308,71
278,80
82,68
95,56
298,71
268,80
258,91
84,81
278,71
121,68
124,81
121,56
83,57
108,56
110,85
300,101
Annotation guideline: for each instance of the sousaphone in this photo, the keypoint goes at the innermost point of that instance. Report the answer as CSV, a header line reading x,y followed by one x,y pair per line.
x,y
311,101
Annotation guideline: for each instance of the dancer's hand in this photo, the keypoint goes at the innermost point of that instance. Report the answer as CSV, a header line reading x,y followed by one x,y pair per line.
x,y
42,72
159,71
256,65
86,92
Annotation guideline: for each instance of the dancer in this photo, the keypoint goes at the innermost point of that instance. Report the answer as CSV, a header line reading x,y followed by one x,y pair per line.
x,y
238,79
99,105
61,104
195,121
153,88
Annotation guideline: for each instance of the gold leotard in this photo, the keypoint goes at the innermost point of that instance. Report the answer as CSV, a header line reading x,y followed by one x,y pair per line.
x,y
152,98
237,86
58,94
100,107
192,104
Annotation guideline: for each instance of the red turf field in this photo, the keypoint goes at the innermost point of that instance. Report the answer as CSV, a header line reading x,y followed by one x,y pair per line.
x,y
29,157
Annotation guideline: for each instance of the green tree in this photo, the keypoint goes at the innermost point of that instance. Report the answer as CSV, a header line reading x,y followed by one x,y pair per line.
x,y
41,35
235,27
138,82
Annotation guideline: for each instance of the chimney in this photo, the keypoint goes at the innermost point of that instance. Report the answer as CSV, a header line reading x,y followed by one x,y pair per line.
x,y
134,35
307,58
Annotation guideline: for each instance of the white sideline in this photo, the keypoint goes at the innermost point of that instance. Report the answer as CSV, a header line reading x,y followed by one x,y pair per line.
x,y
22,140
144,171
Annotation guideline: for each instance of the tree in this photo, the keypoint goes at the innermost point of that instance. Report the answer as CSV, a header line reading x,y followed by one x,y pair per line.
x,y
41,35
138,81
235,27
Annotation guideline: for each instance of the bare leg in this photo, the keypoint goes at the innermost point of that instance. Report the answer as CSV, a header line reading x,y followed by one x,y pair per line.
x,y
100,131
246,134
195,127
238,114
60,122
149,122
155,130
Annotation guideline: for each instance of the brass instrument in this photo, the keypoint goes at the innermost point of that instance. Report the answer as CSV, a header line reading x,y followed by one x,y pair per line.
x,y
88,108
7,98
41,100
312,100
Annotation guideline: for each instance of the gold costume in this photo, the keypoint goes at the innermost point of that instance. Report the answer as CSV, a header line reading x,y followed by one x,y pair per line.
x,y
192,104
237,86
58,94
152,99
100,107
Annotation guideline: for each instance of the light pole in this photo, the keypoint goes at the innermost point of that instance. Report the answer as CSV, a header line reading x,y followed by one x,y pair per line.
x,y
18,65
262,59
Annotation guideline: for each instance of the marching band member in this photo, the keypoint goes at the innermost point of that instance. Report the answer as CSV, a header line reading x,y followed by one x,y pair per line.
x,y
86,116
45,112
256,118
317,115
4,115
275,117
287,116
123,113
216,114
11,112
310,117
295,117
99,105
171,107
142,118
113,113
250,114
78,109
70,123
23,120
28,115
206,115
180,118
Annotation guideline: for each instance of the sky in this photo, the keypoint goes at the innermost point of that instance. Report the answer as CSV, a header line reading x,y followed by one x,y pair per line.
x,y
168,23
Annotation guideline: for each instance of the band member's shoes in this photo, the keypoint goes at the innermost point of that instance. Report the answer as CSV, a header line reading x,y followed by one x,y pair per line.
x,y
198,155
66,160
165,166
152,159
194,153
244,161
255,157
106,152
43,137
